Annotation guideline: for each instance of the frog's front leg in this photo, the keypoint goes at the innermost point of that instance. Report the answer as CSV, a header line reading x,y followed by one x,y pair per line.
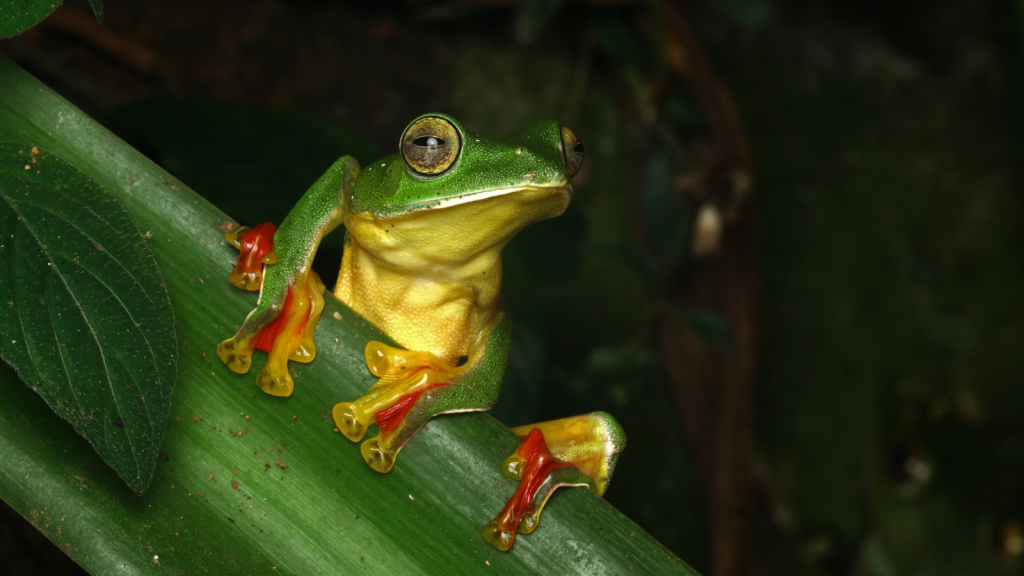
x,y
416,386
291,297
576,451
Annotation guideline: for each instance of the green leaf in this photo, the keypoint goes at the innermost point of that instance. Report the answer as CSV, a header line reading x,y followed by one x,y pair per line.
x,y
321,510
16,16
85,318
97,9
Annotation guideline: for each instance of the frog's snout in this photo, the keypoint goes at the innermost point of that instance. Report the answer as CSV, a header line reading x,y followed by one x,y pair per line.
x,y
572,150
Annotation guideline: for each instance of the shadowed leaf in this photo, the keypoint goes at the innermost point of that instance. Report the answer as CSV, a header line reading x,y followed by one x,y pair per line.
x,y
85,319
16,16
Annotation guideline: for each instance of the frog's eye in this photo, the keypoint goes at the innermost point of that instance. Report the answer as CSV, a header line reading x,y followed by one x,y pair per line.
x,y
572,149
431,145
428,142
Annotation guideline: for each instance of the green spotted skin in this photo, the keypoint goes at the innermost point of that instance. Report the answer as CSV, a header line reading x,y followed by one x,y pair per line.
x,y
485,163
612,429
315,215
479,387
615,440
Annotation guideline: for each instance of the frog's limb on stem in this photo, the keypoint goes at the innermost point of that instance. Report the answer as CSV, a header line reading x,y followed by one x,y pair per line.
x,y
255,248
416,386
576,451
422,262
283,328
291,297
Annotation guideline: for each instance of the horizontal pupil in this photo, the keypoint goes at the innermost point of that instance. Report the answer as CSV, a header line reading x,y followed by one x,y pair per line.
x,y
428,141
578,148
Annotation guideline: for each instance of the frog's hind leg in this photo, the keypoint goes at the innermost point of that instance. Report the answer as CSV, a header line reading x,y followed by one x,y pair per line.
x,y
400,422
403,376
416,386
577,451
282,327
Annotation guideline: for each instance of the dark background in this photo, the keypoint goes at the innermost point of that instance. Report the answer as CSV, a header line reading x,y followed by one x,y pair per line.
x,y
828,381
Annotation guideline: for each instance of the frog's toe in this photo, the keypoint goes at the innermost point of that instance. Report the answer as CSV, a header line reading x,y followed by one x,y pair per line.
x,y
384,360
305,353
348,418
275,383
237,358
529,522
498,535
250,280
380,457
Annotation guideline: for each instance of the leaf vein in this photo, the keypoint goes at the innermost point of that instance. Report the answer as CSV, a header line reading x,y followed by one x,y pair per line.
x,y
93,335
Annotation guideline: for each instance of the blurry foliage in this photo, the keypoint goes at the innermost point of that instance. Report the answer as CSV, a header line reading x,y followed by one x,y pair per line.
x,y
752,14
893,267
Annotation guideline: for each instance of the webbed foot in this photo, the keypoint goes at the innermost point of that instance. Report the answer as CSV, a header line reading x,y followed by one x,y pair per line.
x,y
282,327
380,458
404,377
256,248
238,360
412,387
349,422
577,451
275,383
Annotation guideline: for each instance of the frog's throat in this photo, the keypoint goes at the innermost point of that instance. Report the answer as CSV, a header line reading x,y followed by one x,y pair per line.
x,y
431,278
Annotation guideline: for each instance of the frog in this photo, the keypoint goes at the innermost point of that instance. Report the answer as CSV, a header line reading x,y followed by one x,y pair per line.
x,y
424,232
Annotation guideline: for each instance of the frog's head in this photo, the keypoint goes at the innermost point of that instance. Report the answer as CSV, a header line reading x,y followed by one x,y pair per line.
x,y
450,194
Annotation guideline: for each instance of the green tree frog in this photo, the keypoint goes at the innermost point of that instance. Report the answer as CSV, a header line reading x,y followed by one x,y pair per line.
x,y
422,261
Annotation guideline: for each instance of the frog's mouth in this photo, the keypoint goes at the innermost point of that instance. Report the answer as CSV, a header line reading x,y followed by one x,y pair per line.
x,y
452,201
